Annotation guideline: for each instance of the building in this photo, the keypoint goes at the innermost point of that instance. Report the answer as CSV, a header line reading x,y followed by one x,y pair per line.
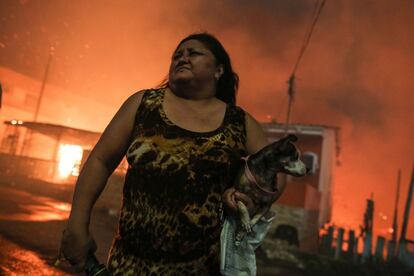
x,y
44,151
39,147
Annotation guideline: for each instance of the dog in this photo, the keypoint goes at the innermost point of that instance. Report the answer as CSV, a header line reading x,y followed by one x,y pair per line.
x,y
257,179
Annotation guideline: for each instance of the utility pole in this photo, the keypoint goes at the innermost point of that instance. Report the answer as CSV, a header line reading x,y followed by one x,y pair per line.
x,y
42,88
1,94
291,93
407,209
397,199
391,246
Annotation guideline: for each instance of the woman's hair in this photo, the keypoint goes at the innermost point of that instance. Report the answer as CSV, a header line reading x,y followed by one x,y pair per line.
x,y
228,83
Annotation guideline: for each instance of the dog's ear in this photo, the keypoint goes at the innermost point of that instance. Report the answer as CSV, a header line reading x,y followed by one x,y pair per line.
x,y
292,137
286,140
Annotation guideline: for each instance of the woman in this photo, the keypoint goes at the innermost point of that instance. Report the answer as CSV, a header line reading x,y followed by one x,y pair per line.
x,y
183,143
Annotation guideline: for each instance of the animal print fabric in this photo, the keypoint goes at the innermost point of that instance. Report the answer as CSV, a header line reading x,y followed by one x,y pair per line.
x,y
169,223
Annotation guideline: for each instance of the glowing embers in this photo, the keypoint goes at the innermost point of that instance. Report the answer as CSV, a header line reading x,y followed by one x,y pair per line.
x,y
69,159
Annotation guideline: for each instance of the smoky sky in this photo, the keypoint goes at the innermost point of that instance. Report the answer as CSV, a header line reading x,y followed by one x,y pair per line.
x,y
356,73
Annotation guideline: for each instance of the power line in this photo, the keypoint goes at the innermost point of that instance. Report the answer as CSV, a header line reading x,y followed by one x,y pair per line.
x,y
291,82
310,32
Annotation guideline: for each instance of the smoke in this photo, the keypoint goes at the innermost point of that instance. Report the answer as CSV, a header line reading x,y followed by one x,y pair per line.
x,y
356,73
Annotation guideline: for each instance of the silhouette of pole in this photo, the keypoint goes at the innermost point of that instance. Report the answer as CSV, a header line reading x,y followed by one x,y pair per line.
x,y
1,95
407,208
397,199
368,227
42,88
291,93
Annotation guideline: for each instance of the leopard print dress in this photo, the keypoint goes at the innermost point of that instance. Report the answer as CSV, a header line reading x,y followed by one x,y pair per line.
x,y
169,223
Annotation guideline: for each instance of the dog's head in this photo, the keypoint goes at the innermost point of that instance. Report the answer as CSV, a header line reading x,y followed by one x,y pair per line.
x,y
281,156
288,156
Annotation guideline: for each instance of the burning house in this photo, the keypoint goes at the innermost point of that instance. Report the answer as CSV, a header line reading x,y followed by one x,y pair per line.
x,y
44,137
44,151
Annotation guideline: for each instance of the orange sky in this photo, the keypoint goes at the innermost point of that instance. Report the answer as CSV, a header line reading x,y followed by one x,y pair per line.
x,y
356,73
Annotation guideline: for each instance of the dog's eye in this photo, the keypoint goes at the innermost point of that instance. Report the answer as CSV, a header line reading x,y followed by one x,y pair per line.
x,y
284,161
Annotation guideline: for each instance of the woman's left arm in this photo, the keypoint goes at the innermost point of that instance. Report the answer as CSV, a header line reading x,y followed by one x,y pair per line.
x,y
256,138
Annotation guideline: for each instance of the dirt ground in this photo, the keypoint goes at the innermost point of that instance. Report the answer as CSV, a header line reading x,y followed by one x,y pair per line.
x,y
33,215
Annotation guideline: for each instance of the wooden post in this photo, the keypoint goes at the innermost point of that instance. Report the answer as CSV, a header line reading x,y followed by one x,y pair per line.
x,y
330,240
402,251
351,244
368,226
323,246
390,251
366,252
355,258
379,250
339,241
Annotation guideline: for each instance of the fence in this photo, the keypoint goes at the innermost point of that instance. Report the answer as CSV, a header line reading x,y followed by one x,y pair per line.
x,y
342,244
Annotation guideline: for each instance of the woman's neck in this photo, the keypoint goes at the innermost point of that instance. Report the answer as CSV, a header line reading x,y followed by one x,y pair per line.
x,y
190,92
199,101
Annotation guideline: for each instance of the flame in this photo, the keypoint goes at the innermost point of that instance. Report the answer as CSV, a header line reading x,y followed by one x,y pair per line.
x,y
70,157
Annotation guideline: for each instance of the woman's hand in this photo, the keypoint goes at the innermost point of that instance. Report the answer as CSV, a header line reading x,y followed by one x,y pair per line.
x,y
75,247
230,196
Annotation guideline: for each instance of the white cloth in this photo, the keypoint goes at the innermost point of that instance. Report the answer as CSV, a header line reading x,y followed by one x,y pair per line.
x,y
241,260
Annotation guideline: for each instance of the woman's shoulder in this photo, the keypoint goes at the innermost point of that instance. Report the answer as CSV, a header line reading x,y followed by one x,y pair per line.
x,y
238,111
144,100
256,137
248,118
135,100
144,93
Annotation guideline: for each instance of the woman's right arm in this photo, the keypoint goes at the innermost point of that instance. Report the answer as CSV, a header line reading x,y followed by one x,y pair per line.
x,y
102,161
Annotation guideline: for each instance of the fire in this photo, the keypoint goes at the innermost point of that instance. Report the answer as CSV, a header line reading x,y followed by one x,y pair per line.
x,y
70,157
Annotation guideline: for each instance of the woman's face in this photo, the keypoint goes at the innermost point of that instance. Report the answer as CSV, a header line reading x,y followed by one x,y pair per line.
x,y
193,62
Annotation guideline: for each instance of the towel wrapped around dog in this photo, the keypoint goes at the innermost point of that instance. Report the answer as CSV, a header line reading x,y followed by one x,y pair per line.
x,y
241,260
